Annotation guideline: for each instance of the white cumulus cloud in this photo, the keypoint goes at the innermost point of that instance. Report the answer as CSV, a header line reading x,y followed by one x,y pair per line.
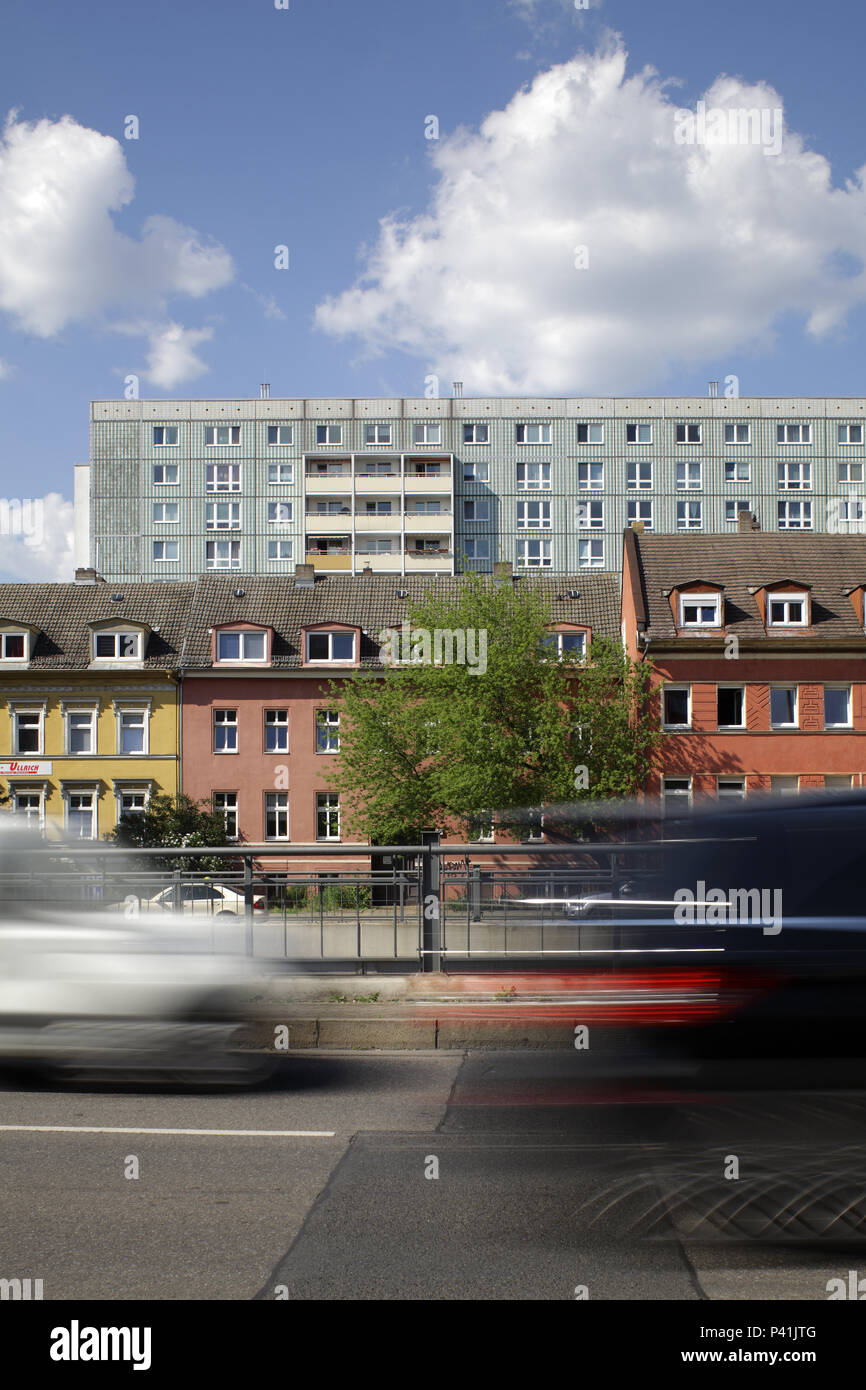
x,y
691,251
62,258
36,539
172,358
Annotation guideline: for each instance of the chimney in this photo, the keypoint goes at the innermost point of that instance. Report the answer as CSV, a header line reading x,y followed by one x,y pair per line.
x,y
265,391
305,576
712,388
457,388
637,526
86,575
747,521
501,571
367,572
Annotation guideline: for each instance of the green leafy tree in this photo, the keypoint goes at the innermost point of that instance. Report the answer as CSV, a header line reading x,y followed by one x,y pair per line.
x,y
428,744
173,823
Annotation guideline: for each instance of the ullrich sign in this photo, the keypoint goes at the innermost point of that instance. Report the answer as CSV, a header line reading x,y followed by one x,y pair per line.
x,y
23,769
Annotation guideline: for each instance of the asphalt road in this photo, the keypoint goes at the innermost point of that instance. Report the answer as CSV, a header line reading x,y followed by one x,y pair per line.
x,y
557,1178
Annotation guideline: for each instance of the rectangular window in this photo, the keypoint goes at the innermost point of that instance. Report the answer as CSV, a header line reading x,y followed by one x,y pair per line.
x,y
795,516
132,731
731,706
533,554
733,509
590,476
279,472
533,515
532,434
327,731
676,706
223,516
590,516
590,554
223,555
80,733
590,434
689,474
226,805
476,434
701,610
327,816
116,646
477,549
241,646
731,787
166,552
795,476
222,434
737,471
849,434
223,477
377,434
427,433
569,644
225,731
329,434
850,471
737,434
12,646
165,513
837,781
433,507
374,509
478,510
164,436
786,610
80,819
330,646
280,434
276,731
277,816
689,516
783,707
279,513
165,474
793,434
279,550
28,808
481,828
639,475
533,476
640,510
475,471
131,803
638,434
785,786
28,731
837,706
676,795
687,434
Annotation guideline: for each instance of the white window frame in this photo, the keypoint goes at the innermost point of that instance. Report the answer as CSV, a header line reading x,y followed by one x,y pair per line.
x,y
380,432
214,483
242,659
226,809
732,686
166,552
279,725
211,440
734,506
690,516
24,816
588,426
534,553
225,724
159,513
426,433
673,796
677,687
70,712
484,831
215,522
731,788
688,475
636,478
169,475
590,514
476,470
732,432
470,432
847,442
638,432
123,789
28,711
687,428
222,555
794,514
279,442
123,711
477,547
713,601
533,477
165,443
847,723
278,804
475,509
590,553
280,513
640,509
776,724
738,471
15,660
279,551
787,599
330,659
850,470
780,784
524,431
280,474
90,792
328,721
328,806
524,521
590,475
792,432
794,475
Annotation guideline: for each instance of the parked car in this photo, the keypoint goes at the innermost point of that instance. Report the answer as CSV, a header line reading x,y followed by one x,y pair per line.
x,y
210,899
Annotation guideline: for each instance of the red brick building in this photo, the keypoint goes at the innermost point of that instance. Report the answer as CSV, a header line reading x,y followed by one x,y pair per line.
x,y
759,646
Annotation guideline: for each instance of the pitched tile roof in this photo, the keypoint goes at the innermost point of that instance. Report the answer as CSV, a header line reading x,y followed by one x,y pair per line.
x,y
61,613
370,602
745,561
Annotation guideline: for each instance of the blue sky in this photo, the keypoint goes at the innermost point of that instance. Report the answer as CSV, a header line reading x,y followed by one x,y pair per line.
x,y
305,127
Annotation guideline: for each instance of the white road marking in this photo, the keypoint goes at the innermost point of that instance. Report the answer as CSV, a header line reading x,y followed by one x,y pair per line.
x,y
223,1133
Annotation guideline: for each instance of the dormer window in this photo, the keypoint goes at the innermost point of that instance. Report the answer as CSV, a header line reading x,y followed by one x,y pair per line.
x,y
117,646
701,610
13,646
787,610
242,646
330,646
571,645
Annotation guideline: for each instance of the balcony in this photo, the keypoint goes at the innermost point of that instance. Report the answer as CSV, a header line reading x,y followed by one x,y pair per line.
x,y
378,521
418,485
379,564
429,561
329,524
377,482
325,561
432,524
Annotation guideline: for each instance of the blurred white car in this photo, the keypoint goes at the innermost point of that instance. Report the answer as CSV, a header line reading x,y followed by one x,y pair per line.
x,y
212,899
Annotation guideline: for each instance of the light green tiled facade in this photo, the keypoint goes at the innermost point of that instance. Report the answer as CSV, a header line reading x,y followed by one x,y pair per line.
x,y
816,484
